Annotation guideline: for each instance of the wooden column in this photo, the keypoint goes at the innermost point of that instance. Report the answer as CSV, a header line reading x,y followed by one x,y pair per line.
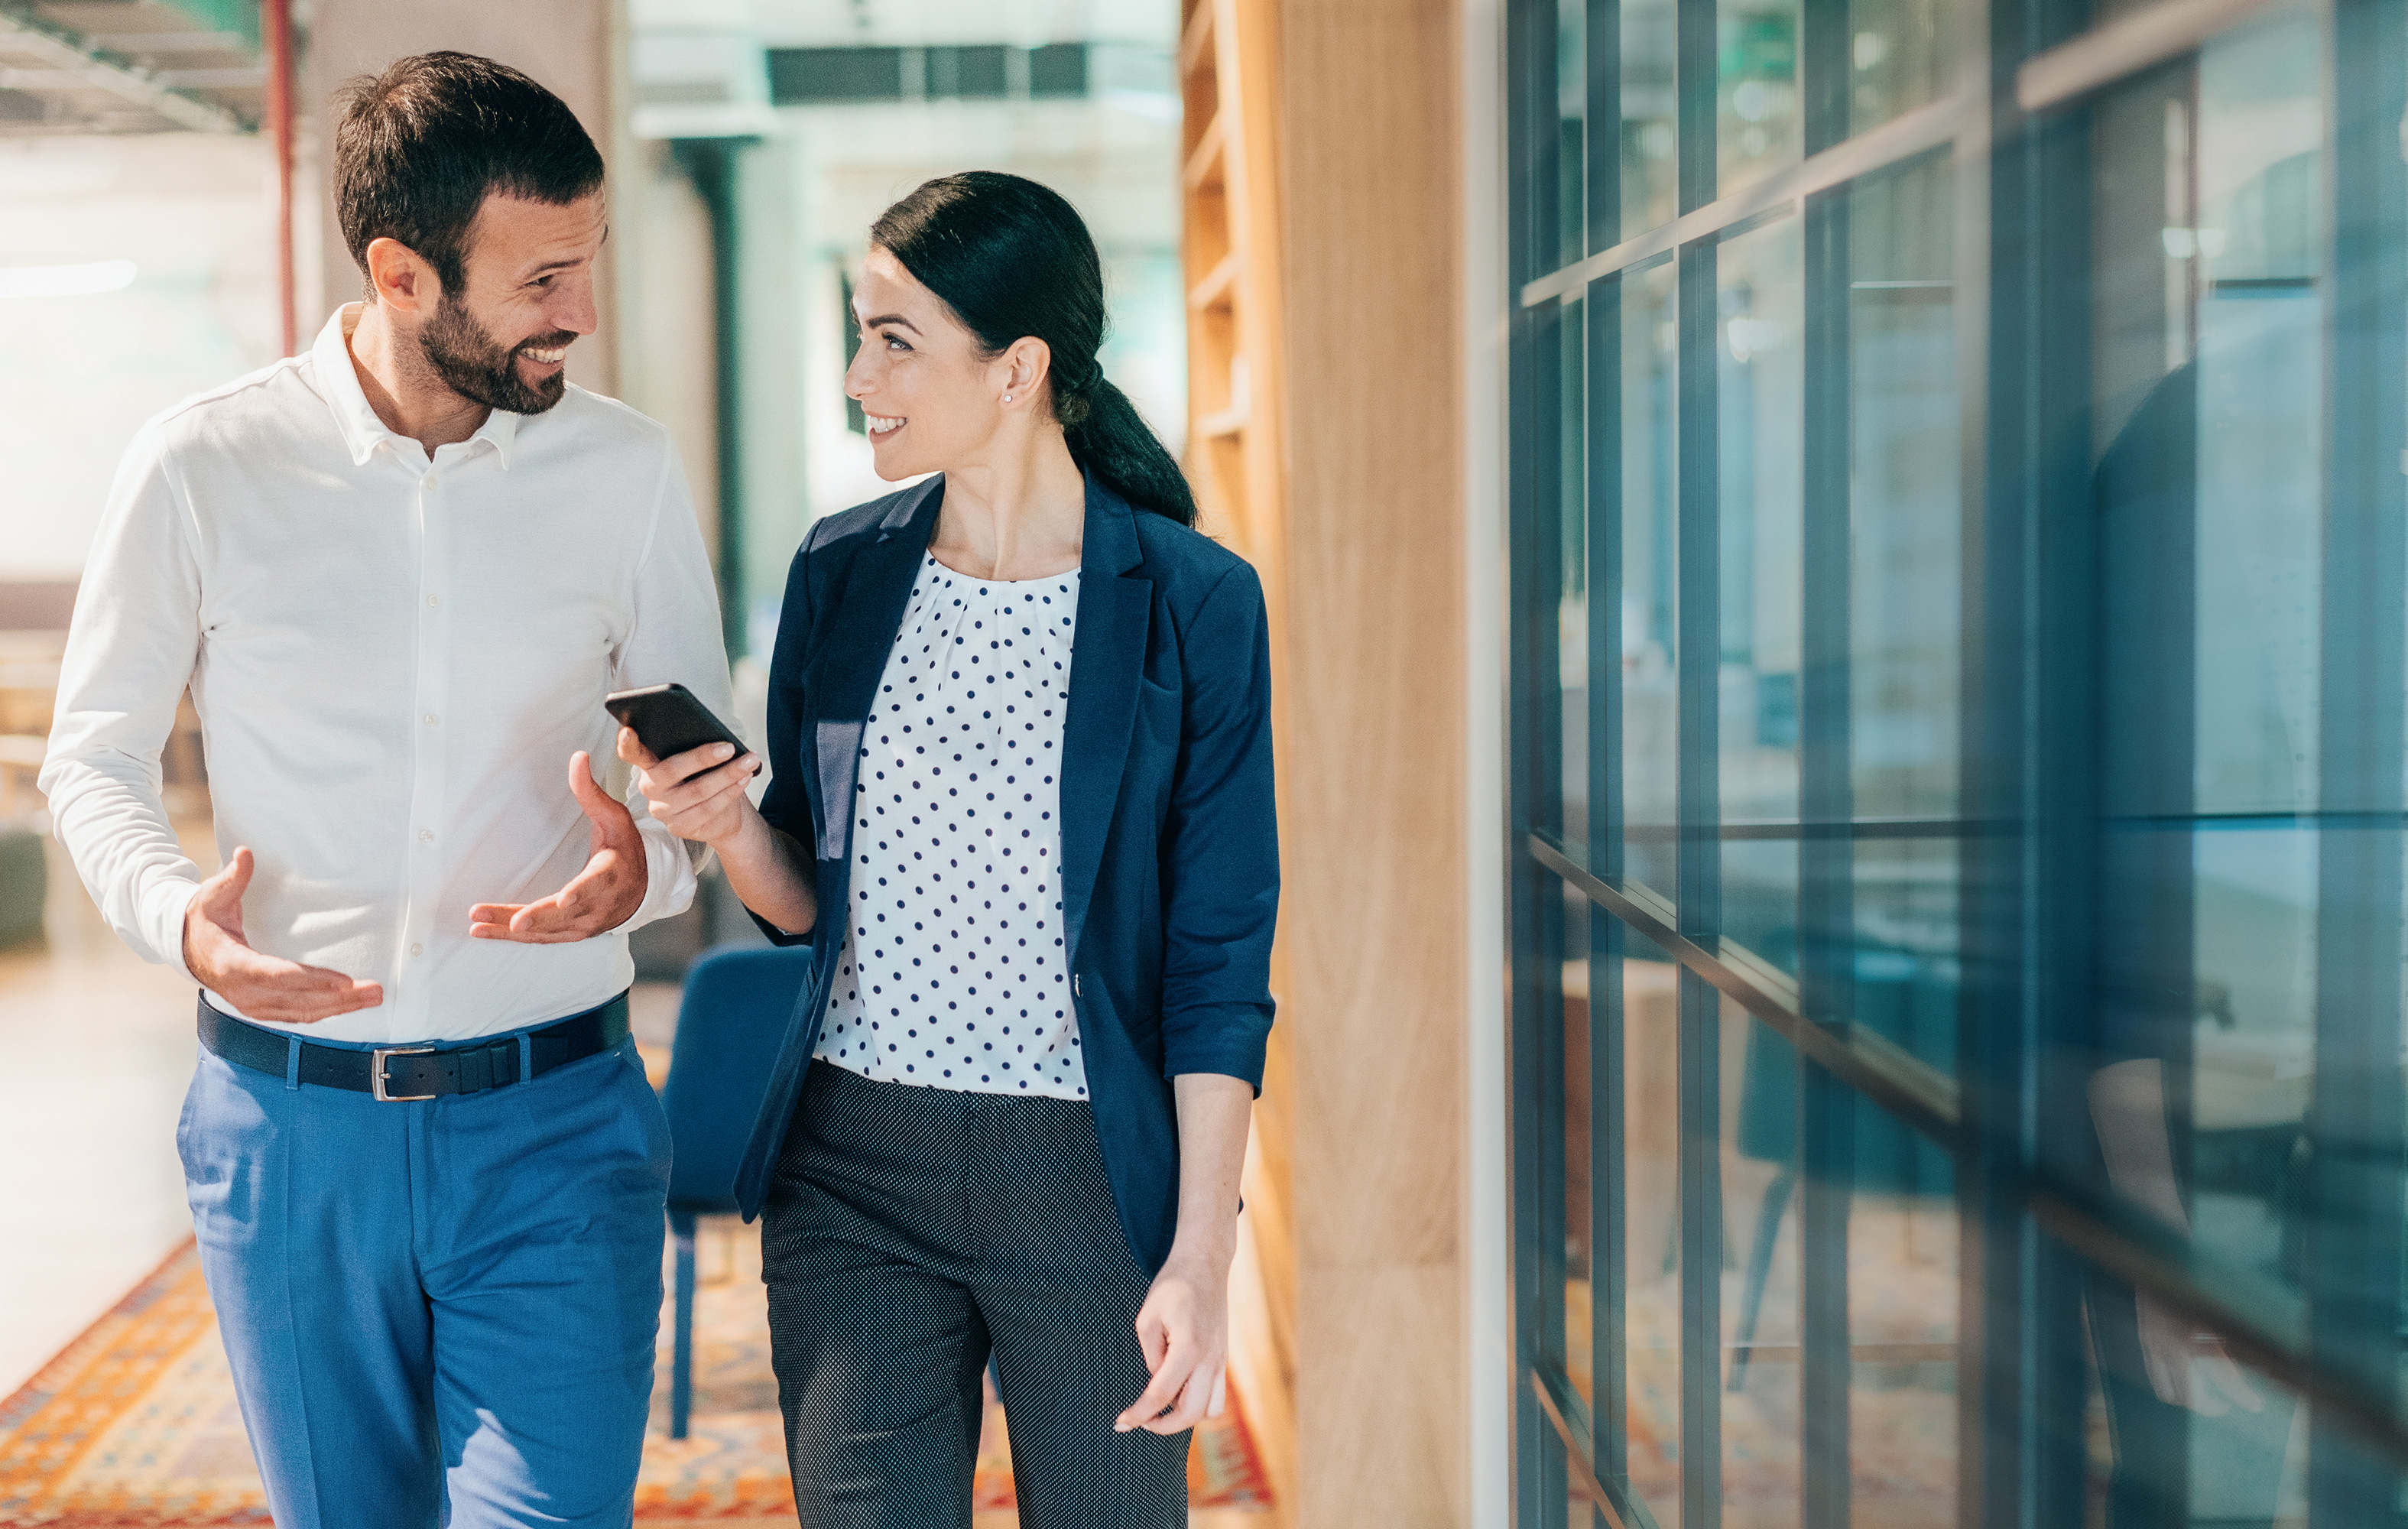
x,y
1323,244
1371,211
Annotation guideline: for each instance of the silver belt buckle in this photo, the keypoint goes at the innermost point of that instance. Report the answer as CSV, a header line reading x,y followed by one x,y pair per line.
x,y
375,1073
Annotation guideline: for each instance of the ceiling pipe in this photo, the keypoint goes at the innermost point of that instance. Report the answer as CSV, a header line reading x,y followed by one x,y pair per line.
x,y
275,37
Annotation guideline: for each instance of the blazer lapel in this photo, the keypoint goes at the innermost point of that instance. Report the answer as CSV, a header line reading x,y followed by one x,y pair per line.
x,y
1107,657
844,679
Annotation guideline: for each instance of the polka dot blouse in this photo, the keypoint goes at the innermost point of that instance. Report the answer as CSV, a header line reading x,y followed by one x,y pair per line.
x,y
954,974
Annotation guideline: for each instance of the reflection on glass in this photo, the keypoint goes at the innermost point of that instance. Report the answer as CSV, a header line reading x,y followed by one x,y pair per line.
x,y
1901,1252
1651,1052
1891,1251
2208,486
1572,116
1905,611
1905,620
1762,1340
2259,321
1901,55
1650,713
1650,125
1755,95
2179,1433
1572,648
1760,337
1581,1201
2168,852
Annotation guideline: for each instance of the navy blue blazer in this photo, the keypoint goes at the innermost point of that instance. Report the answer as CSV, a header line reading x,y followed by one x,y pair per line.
x,y
1170,845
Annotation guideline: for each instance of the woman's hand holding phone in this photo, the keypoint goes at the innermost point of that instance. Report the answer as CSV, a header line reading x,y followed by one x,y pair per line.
x,y
698,794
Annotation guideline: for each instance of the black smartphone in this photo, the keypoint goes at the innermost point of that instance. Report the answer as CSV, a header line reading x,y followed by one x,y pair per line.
x,y
669,720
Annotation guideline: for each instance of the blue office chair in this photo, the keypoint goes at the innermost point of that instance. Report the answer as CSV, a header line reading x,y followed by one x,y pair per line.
x,y
730,1021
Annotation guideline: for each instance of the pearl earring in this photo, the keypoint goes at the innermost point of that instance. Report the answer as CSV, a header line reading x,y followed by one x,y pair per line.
x,y
1007,397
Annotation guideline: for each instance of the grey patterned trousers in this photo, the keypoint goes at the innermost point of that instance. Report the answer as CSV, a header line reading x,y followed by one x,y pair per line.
x,y
910,1232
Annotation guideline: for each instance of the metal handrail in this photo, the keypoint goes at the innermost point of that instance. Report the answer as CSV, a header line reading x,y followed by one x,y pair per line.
x,y
1908,1087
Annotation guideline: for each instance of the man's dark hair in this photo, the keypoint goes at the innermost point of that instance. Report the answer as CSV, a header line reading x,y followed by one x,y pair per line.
x,y
422,144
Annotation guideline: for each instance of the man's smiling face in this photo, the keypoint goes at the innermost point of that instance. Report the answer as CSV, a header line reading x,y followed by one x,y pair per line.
x,y
504,341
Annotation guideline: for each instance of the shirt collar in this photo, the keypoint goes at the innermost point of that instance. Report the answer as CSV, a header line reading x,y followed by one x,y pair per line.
x,y
362,431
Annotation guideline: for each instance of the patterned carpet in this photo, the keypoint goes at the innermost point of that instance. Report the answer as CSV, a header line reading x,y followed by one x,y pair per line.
x,y
133,1425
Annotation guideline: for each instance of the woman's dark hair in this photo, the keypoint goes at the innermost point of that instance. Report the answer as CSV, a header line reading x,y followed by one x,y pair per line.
x,y
1012,259
422,144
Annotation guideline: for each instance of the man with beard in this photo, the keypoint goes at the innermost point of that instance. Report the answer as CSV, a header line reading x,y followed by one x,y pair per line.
x,y
398,573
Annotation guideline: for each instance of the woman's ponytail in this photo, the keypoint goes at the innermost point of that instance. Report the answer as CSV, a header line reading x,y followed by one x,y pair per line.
x,y
1012,259
1111,440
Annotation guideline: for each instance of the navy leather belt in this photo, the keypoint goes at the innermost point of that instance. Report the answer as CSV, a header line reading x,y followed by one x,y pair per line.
x,y
399,1074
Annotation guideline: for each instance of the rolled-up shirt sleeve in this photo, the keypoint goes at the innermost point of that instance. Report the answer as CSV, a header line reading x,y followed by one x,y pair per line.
x,y
675,638
131,651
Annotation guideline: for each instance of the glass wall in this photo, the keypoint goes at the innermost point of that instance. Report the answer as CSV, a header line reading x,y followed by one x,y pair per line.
x,y
1959,589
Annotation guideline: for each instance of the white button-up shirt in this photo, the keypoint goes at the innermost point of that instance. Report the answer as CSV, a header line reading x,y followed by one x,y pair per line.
x,y
392,659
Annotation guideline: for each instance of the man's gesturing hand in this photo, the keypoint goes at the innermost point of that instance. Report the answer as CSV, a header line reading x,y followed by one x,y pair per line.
x,y
262,987
604,895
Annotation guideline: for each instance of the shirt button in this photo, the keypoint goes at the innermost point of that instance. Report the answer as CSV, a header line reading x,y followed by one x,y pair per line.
x,y
418,950
435,599
432,719
426,482
426,836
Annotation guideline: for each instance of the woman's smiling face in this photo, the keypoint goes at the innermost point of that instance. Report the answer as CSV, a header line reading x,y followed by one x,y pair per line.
x,y
933,399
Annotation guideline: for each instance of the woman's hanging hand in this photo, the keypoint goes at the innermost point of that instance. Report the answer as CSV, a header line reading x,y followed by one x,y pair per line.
x,y
1184,1327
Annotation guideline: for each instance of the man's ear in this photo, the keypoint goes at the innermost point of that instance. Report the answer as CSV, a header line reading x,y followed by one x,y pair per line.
x,y
398,278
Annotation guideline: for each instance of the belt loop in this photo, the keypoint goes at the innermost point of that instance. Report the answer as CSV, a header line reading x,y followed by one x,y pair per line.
x,y
526,1057
293,1061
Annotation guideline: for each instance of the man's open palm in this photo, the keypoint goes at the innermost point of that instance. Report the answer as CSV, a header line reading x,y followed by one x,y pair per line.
x,y
260,987
604,895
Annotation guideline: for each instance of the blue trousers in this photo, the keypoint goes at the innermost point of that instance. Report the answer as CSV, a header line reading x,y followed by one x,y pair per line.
x,y
442,1311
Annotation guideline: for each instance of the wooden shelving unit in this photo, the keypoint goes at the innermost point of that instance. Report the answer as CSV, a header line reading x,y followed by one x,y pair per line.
x,y
1230,188
1235,455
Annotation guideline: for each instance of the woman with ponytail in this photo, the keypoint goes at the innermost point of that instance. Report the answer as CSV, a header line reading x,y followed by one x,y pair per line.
x,y
1020,808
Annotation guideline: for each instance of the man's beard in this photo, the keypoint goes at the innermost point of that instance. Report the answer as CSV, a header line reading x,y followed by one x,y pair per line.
x,y
480,368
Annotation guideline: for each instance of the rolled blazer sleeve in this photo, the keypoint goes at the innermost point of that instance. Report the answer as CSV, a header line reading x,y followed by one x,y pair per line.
x,y
786,805
1219,843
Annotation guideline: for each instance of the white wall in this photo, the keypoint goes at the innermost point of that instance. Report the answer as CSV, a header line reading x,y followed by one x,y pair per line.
x,y
194,212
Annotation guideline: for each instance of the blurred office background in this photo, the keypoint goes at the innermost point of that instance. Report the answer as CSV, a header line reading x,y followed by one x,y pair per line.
x,y
1837,589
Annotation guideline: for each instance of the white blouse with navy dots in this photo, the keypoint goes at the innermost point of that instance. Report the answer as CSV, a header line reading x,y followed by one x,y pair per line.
x,y
953,973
